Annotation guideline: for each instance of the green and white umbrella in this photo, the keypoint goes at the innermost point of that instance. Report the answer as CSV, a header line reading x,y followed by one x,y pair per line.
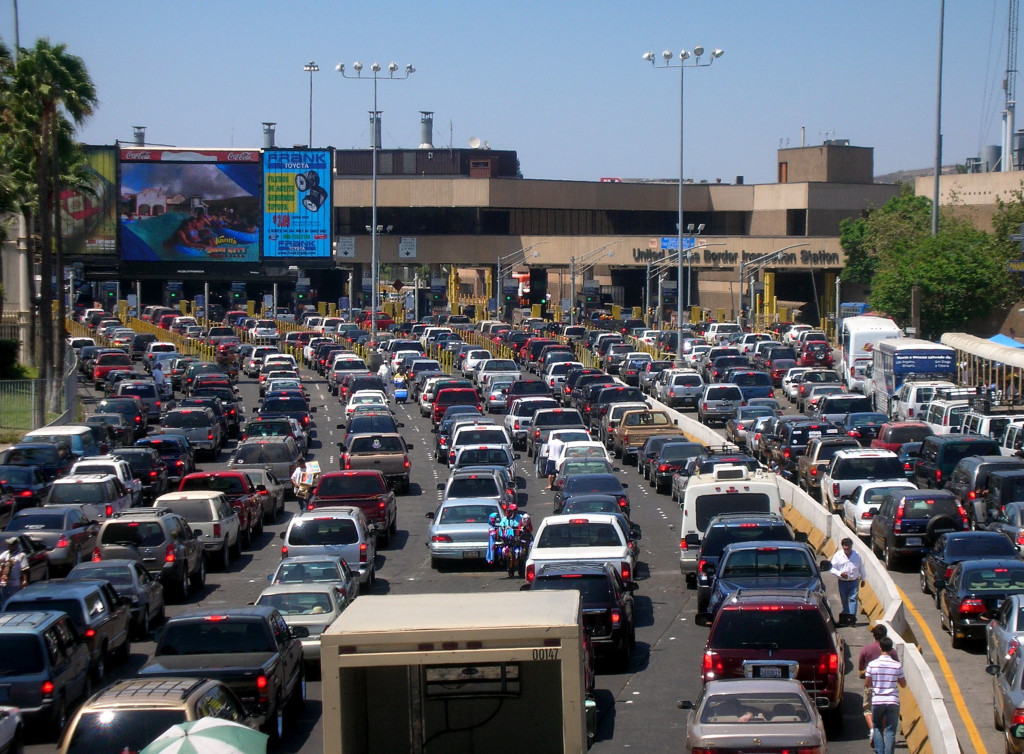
x,y
208,735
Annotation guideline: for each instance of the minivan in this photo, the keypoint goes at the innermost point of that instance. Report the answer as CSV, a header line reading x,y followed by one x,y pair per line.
x,y
78,437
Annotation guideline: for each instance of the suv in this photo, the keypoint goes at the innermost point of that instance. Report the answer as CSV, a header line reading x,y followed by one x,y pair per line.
x,y
548,419
337,530
969,481
117,467
162,541
909,521
98,495
199,425
607,603
149,467
718,402
772,633
133,712
851,468
723,530
46,665
211,515
941,453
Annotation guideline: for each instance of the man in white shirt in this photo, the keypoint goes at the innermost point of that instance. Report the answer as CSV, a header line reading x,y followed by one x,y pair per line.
x,y
849,569
554,445
884,676
300,469
13,570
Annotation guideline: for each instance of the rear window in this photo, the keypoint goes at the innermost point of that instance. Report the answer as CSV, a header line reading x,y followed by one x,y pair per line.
x,y
114,359
78,492
186,419
821,377
868,468
557,419
995,579
678,451
228,484
952,452
752,379
997,546
580,535
30,522
687,380
772,630
193,511
216,637
718,537
484,456
375,444
467,514
32,457
766,561
926,507
724,394
846,405
481,437
594,589
580,484
137,533
143,391
25,604
907,434
354,484
803,435
271,452
708,506
324,531
21,654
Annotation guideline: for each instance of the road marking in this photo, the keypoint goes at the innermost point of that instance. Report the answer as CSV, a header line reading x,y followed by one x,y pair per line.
x,y
947,672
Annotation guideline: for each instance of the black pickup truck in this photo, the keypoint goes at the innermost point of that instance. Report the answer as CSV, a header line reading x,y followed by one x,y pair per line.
x,y
250,649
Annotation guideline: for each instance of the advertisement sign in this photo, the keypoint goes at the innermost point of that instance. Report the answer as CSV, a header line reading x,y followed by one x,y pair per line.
x,y
297,201
922,363
185,205
88,217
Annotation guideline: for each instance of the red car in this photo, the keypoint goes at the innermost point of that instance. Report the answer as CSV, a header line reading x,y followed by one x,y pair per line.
x,y
454,396
366,490
815,354
893,434
107,363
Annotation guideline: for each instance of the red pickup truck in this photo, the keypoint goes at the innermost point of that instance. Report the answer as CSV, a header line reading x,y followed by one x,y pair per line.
x,y
366,490
239,491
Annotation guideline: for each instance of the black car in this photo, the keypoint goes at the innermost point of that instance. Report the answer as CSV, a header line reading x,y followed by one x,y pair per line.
x,y
650,449
863,426
175,452
973,593
909,522
120,431
669,459
288,406
130,408
29,485
724,530
607,604
51,459
952,548
148,467
586,484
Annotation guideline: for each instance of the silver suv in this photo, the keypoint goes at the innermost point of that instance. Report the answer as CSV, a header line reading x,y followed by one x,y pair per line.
x,y
718,402
210,513
333,530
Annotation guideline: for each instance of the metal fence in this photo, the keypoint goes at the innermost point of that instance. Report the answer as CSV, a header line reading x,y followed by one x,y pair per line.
x,y
60,397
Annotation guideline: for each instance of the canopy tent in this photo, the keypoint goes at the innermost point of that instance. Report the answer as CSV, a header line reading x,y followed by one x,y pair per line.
x,y
1005,340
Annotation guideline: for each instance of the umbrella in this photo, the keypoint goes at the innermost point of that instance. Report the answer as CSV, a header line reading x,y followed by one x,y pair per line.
x,y
208,735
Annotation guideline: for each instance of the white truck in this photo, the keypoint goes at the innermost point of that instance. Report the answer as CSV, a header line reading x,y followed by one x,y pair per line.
x,y
461,672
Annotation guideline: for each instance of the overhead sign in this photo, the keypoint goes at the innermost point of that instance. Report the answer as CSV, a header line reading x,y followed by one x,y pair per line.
x,y
438,285
406,248
346,247
297,203
509,285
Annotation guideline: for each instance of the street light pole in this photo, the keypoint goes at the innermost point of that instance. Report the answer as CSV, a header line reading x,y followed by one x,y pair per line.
x,y
587,260
375,68
682,65
512,262
310,68
757,261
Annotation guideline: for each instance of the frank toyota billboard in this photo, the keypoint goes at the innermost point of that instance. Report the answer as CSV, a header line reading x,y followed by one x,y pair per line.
x,y
297,203
189,205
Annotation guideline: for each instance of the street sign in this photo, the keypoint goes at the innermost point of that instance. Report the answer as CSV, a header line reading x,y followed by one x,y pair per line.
x,y
1015,265
406,248
438,285
509,285
398,284
346,247
669,243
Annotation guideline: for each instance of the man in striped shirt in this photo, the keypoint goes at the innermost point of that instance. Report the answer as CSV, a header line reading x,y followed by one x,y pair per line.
x,y
885,677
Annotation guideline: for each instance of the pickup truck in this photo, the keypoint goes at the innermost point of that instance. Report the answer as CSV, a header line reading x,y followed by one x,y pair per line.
x,y
366,490
386,453
241,493
636,427
250,649
811,465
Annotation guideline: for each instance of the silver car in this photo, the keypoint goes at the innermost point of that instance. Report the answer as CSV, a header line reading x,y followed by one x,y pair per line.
x,y
273,498
313,606
496,397
748,714
340,531
1005,629
1008,697
718,402
318,569
459,530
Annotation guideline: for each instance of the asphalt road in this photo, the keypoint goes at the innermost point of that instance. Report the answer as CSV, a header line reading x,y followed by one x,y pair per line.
x,y
637,709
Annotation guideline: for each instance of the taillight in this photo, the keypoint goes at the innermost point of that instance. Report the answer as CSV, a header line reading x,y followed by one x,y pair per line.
x,y
108,511
155,473
938,475
711,665
96,557
1016,719
363,552
971,606
814,471
897,524
406,462
169,556
216,530
262,686
536,434
345,459
515,424
616,616
785,453
828,664
835,489
531,573
47,688
854,433
90,633
626,571
441,538
209,436
284,551
963,515
663,468
62,542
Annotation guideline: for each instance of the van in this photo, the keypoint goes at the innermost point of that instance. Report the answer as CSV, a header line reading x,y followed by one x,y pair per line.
x,y
987,425
969,480
719,332
728,488
78,437
1012,439
944,413
912,396
941,453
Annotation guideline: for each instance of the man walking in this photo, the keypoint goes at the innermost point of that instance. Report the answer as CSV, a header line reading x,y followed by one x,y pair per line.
x,y
13,570
870,653
884,676
848,568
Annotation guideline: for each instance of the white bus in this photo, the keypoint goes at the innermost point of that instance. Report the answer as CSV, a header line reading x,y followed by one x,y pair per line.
x,y
857,338
899,360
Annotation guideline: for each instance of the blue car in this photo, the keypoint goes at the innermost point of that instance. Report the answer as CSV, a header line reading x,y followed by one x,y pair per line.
x,y
752,384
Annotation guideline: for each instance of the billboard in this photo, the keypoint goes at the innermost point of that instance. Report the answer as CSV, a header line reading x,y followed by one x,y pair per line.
x,y
88,218
297,203
189,205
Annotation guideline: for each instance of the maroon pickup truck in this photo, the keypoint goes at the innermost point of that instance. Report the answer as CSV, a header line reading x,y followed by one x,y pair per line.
x,y
240,492
366,490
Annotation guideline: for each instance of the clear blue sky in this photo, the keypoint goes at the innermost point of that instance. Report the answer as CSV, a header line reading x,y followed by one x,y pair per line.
x,y
561,82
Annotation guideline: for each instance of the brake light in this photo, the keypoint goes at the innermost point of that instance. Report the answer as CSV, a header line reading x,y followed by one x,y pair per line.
x,y
515,424
972,606
154,473
963,515
531,573
897,524
108,511
216,530
96,557
209,436
138,418
1018,717
406,461
835,489
363,552
711,665
972,495
284,551
441,538
348,464
828,664
47,688
785,453
938,475
169,556
626,571
854,433
90,633
814,471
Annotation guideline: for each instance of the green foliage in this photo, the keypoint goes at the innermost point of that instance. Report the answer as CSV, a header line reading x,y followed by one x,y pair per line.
x,y
891,228
1007,221
860,264
10,369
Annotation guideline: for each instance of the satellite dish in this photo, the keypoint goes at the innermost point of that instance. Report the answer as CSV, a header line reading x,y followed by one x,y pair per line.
x,y
474,142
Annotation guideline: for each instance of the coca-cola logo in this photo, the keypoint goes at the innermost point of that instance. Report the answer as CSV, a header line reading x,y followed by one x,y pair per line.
x,y
240,156
137,155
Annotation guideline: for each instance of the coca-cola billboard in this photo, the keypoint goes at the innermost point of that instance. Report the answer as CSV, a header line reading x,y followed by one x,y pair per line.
x,y
189,205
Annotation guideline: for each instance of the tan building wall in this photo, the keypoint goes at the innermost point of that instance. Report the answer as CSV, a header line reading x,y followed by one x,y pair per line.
x,y
826,163
972,195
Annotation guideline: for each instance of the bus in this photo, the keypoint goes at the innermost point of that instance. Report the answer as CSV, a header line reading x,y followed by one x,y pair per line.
x,y
857,337
851,309
899,360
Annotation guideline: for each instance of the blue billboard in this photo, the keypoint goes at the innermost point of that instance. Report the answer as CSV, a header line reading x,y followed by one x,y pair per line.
x,y
297,202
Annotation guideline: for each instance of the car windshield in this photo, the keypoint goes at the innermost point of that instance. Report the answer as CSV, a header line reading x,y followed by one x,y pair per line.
x,y
466,514
594,589
298,603
323,531
350,484
20,654
763,707
473,486
133,533
581,533
116,575
215,637
308,572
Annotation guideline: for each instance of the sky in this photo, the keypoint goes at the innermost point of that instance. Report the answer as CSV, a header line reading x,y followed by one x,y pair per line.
x,y
561,82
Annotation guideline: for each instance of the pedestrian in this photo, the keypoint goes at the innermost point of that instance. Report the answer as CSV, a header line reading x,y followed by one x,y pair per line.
x,y
884,676
554,450
849,569
297,474
158,377
13,570
869,653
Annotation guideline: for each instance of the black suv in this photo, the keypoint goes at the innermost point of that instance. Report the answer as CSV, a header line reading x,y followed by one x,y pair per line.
x,y
149,467
606,600
230,404
909,521
941,453
723,530
970,479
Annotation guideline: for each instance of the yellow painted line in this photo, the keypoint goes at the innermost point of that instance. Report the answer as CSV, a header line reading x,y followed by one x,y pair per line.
x,y
954,687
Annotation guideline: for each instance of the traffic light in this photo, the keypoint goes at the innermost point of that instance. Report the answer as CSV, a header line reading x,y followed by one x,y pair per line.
x,y
438,298
238,296
668,299
301,297
111,295
510,298
174,296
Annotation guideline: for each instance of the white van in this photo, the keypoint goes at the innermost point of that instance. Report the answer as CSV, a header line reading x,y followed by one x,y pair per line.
x,y
910,399
945,415
718,332
988,425
727,489
1012,438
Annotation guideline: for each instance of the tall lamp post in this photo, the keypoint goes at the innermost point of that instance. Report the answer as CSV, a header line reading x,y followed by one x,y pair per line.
x,y
758,262
660,267
682,65
375,68
511,260
310,68
587,261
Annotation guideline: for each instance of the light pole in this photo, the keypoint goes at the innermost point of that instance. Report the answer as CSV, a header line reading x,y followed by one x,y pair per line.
x,y
682,65
660,267
511,260
375,68
758,262
310,68
587,261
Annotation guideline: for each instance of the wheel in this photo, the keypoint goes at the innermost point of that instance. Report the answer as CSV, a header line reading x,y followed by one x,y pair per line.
x,y
183,585
144,627
650,481
297,701
274,726
236,548
874,548
924,583
100,668
225,557
955,641
161,617
199,578
259,527
60,711
623,655
997,721
887,558
123,652
393,529
246,537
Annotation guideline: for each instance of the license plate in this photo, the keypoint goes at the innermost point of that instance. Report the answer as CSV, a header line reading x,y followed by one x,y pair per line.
x,y
470,554
770,672
814,433
913,541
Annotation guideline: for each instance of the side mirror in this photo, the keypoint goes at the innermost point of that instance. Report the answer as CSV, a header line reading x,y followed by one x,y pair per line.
x,y
408,446
197,533
800,536
399,424
692,540
825,565
440,486
630,586
428,514
524,588
299,632
624,485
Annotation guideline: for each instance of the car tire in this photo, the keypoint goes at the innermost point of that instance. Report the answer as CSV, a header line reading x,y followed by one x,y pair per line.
x,y
887,559
236,548
924,583
144,627
274,726
225,557
297,701
124,651
100,668
198,579
183,587
59,716
997,721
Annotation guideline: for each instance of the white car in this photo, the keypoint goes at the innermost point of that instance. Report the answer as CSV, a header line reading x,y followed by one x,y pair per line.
x,y
851,468
858,504
649,337
114,466
398,356
285,359
264,331
793,333
366,397
582,537
472,360
791,382
310,348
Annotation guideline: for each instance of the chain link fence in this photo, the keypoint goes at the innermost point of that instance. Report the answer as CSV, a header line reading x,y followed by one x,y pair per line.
x,y
18,399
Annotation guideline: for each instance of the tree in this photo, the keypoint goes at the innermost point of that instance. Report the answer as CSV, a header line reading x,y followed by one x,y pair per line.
x,y
889,229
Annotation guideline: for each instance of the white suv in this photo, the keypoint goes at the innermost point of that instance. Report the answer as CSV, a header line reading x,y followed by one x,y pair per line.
x,y
114,466
208,512
339,530
849,469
